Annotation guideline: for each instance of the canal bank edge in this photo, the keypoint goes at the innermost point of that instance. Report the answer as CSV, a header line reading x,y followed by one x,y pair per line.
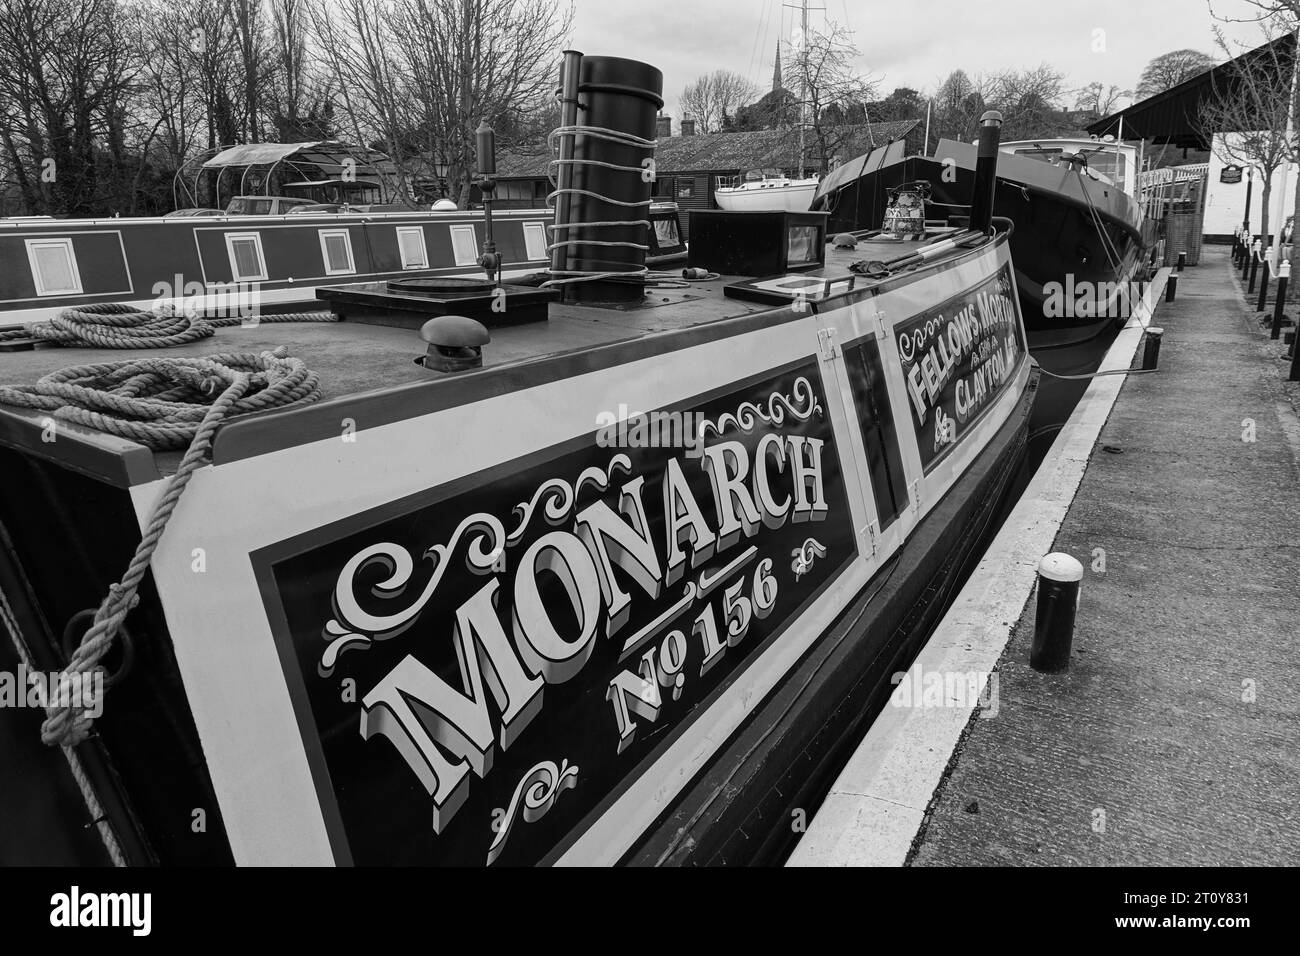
x,y
878,806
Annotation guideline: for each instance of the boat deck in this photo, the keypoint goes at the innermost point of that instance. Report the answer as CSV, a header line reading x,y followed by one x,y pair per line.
x,y
352,358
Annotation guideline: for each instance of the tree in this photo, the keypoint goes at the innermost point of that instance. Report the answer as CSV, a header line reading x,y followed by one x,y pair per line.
x,y
830,88
1030,102
1099,99
714,96
1282,16
1250,108
1169,69
958,106
904,103
418,76
65,76
773,110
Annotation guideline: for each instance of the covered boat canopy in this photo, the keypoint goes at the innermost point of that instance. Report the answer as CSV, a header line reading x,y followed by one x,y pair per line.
x,y
252,168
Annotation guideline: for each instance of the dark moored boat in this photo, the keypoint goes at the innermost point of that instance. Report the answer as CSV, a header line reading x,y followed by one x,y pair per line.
x,y
625,593
1077,225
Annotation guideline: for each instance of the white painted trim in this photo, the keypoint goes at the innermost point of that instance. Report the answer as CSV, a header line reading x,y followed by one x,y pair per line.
x,y
233,237
876,807
60,242
327,234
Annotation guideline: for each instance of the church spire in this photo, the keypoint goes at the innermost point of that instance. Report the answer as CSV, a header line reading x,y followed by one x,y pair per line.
x,y
776,73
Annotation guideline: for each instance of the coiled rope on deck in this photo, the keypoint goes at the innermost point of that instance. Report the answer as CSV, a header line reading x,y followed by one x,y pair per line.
x,y
163,403
112,325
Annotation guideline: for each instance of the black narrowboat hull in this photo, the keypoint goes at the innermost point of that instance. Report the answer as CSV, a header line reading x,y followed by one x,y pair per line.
x,y
1071,232
490,619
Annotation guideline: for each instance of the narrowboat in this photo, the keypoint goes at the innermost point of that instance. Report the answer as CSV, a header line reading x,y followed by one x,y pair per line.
x,y
622,587
1080,239
221,265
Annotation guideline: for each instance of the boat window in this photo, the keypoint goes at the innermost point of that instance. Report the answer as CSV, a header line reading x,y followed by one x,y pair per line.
x,y
54,266
336,248
247,263
464,245
1046,154
1109,165
685,187
804,245
666,236
257,207
410,242
879,434
534,240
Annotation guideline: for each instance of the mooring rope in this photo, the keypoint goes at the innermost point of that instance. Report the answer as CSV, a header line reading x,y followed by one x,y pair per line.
x,y
162,403
112,325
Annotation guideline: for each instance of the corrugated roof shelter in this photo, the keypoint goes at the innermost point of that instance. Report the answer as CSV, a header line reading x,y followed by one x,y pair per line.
x,y
1171,117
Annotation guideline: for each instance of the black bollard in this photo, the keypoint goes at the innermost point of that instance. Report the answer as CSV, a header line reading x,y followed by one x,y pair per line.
x,y
1182,260
1254,272
1295,358
1263,287
1059,577
1151,348
1283,276
1171,287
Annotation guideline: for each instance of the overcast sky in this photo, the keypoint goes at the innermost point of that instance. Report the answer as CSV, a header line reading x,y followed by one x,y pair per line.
x,y
912,43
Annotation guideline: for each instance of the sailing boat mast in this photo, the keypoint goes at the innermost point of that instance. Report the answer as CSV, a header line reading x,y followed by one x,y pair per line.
x,y
803,80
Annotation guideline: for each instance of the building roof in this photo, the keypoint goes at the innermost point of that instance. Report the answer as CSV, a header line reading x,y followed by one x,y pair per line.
x,y
706,152
1172,116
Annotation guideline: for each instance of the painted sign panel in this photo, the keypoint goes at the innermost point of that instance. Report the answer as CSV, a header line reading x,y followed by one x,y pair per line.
x,y
1230,174
957,358
479,671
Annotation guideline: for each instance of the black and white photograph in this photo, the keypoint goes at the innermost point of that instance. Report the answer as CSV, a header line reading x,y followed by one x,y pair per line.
x,y
783,435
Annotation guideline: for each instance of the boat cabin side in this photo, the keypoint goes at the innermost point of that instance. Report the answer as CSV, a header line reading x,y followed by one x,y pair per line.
x,y
637,539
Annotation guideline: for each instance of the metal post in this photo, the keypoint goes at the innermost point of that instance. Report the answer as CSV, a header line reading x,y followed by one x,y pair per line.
x,y
1245,261
1059,578
1254,266
986,172
1295,358
1283,275
485,141
1182,260
568,95
1171,287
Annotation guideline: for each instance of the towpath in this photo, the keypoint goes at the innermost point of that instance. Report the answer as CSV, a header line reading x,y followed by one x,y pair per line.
x,y
1172,737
